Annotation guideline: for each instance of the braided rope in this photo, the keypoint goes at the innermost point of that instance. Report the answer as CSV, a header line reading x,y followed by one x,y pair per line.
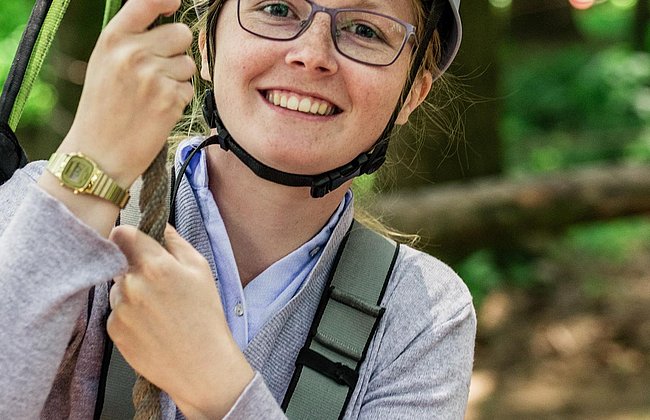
x,y
154,210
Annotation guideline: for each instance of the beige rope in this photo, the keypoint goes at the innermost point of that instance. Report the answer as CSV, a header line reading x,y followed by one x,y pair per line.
x,y
154,210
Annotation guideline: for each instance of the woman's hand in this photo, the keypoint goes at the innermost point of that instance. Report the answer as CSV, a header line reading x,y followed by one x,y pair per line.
x,y
168,323
136,87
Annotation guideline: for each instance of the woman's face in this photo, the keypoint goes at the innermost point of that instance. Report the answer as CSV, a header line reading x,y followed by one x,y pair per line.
x,y
252,74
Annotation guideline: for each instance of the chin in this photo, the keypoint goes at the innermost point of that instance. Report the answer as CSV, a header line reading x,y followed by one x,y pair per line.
x,y
307,163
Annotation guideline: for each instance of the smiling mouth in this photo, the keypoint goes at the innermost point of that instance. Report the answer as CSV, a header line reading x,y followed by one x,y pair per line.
x,y
304,104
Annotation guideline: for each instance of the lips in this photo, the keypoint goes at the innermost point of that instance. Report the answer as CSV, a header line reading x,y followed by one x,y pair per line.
x,y
300,103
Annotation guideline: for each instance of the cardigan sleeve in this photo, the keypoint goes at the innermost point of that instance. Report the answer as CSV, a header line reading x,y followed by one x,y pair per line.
x,y
49,261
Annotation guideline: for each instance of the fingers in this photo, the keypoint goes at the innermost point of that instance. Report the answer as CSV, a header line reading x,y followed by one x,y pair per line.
x,y
180,68
137,15
135,245
169,40
182,250
115,294
140,249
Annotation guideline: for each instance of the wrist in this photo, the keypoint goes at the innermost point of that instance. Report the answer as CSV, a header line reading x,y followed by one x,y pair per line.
x,y
82,175
116,168
95,212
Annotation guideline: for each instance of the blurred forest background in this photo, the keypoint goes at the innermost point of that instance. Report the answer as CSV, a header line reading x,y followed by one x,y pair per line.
x,y
540,202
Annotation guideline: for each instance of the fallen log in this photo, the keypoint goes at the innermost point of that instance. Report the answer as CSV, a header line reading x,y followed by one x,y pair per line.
x,y
456,218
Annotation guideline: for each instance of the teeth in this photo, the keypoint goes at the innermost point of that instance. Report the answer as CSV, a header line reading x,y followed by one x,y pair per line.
x,y
322,109
293,103
305,105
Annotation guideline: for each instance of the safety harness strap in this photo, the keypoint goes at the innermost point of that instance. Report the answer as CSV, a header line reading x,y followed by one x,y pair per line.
x,y
13,156
34,44
327,367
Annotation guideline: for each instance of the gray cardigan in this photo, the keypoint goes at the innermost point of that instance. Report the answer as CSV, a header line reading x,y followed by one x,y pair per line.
x,y
418,365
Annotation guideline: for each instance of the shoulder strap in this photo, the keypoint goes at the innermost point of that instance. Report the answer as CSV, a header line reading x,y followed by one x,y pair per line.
x,y
328,365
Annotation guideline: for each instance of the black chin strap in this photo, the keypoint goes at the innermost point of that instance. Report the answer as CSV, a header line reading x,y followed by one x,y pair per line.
x,y
320,184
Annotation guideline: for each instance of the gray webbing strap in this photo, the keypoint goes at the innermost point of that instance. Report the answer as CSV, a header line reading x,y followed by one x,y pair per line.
x,y
349,312
118,401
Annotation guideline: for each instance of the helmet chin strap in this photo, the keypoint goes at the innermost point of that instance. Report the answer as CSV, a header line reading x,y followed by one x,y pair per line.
x,y
323,183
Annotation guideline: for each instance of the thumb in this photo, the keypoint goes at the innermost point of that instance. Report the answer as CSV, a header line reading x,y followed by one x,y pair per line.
x,y
182,250
137,15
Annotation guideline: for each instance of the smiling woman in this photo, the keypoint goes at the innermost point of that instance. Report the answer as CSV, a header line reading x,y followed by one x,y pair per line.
x,y
303,98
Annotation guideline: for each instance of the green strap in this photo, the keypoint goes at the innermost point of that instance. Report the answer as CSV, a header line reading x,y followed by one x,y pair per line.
x,y
110,10
43,43
349,312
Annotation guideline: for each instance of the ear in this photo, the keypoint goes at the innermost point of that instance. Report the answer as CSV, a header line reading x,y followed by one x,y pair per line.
x,y
416,96
205,65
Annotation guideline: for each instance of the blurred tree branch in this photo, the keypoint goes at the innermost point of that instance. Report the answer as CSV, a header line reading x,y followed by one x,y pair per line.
x,y
457,218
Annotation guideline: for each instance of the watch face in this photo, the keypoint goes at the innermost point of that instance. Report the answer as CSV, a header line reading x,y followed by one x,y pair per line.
x,y
77,172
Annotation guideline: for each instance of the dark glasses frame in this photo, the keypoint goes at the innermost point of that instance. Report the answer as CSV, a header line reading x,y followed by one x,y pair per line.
x,y
332,12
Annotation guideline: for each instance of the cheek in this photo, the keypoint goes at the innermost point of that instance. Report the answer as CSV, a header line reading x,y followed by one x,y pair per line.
x,y
376,98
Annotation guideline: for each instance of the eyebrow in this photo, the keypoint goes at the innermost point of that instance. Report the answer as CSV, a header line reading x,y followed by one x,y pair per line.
x,y
374,5
364,4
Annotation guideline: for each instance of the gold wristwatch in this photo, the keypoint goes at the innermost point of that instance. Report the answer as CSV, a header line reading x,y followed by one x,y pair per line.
x,y
82,175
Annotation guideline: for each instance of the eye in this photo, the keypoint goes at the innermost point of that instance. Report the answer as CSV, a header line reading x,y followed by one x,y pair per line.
x,y
363,31
280,10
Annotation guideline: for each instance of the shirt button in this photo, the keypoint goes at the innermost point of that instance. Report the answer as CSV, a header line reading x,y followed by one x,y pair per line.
x,y
239,309
314,251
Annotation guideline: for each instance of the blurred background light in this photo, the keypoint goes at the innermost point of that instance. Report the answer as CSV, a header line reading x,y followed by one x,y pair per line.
x,y
501,4
624,4
582,4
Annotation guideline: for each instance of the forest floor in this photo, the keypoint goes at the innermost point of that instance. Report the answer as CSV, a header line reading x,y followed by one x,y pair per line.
x,y
576,349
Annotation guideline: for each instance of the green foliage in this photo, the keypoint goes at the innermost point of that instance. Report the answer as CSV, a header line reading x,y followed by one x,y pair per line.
x,y
573,106
612,240
481,274
489,269
607,21
582,252
15,14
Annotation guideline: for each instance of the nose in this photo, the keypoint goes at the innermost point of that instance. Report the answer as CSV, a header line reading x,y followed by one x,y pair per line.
x,y
314,49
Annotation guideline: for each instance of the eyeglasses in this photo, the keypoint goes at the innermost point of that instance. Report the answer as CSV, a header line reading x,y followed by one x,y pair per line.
x,y
360,35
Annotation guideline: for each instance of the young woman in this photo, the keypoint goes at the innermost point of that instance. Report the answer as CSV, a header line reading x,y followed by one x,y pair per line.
x,y
302,87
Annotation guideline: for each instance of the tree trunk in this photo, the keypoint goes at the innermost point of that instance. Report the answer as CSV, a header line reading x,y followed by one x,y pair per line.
x,y
456,219
424,155
547,20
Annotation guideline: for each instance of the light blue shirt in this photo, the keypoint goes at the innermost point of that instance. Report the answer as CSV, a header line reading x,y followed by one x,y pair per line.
x,y
248,309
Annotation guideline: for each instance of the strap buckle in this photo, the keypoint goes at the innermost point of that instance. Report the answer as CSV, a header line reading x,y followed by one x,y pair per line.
x,y
338,372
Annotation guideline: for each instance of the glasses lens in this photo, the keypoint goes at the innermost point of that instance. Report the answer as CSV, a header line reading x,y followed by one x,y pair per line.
x,y
364,36
276,19
369,37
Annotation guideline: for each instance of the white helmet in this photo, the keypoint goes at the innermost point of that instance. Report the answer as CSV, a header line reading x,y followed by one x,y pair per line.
x,y
450,30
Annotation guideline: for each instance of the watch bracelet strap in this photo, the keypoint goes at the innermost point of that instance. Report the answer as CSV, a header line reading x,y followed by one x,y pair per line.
x,y
103,186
